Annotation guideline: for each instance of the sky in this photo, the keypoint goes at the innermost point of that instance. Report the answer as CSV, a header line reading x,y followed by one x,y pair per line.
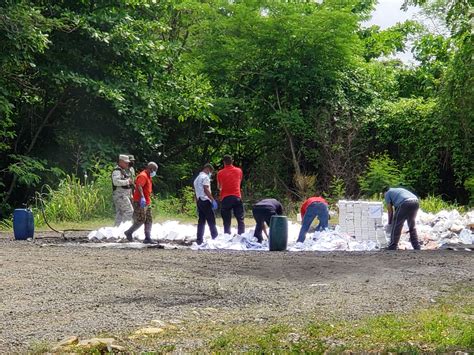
x,y
388,13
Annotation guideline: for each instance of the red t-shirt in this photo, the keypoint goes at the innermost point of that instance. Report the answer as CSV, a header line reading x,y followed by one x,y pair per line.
x,y
309,201
144,180
229,179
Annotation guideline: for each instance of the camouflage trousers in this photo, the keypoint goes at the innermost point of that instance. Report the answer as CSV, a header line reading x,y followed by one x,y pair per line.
x,y
123,206
141,215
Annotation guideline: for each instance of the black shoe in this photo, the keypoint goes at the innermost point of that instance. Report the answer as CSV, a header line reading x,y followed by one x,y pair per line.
x,y
148,241
129,236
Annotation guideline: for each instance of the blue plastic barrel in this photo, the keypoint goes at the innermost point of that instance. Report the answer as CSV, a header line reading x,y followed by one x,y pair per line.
x,y
278,238
23,224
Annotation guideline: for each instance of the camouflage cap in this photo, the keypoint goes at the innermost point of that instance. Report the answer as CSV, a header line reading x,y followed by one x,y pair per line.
x,y
124,157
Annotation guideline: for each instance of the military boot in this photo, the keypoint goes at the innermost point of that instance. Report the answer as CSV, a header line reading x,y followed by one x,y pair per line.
x,y
128,233
147,239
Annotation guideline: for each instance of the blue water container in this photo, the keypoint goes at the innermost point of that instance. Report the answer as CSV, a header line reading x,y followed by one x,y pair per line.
x,y
23,224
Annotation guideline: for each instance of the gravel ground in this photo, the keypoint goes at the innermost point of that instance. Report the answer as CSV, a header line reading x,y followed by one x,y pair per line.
x,y
49,291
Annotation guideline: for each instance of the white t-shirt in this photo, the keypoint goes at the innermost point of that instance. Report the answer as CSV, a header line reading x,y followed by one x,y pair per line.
x,y
199,183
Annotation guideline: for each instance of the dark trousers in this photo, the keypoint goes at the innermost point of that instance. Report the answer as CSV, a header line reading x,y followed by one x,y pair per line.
x,y
233,204
405,212
261,215
206,214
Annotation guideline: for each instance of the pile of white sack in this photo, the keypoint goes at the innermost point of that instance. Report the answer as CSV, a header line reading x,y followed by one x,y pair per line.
x,y
445,227
434,230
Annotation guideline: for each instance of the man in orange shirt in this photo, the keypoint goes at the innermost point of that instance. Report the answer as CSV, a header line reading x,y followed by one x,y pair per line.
x,y
313,207
142,202
229,180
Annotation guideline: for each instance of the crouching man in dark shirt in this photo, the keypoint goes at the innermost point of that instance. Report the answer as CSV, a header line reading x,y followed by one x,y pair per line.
x,y
263,212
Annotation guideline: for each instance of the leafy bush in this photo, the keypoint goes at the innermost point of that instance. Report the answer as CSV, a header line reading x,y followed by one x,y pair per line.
x,y
382,171
469,186
188,207
337,190
166,206
6,224
305,184
434,204
411,129
171,206
74,201
291,208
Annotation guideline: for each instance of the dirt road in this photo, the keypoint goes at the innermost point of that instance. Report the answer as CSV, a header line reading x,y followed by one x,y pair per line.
x,y
49,292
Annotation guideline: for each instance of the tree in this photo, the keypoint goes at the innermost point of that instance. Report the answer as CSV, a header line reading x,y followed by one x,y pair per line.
x,y
286,66
87,79
382,172
456,92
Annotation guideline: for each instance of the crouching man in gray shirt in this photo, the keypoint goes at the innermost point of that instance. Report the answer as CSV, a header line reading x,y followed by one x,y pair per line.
x,y
406,207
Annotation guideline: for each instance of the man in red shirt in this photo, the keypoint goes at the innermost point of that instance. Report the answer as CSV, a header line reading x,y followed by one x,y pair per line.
x,y
229,180
141,203
313,207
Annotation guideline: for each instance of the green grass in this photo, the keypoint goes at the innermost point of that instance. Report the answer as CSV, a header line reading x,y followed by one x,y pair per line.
x,y
75,201
39,347
446,327
434,204
7,225
433,330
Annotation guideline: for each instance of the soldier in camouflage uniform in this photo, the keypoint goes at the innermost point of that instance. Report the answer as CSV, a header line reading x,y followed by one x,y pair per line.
x,y
131,172
121,185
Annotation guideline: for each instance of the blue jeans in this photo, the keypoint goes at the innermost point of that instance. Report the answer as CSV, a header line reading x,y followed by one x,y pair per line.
x,y
316,209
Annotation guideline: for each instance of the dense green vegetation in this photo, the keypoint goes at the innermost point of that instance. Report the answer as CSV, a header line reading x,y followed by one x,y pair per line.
x,y
300,93
434,330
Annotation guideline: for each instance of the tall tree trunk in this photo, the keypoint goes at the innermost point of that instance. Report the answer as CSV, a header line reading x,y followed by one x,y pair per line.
x,y
294,157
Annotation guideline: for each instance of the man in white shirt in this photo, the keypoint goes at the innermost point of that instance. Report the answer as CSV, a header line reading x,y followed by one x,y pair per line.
x,y
206,204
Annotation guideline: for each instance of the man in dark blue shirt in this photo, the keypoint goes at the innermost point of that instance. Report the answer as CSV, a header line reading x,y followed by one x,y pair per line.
x,y
406,207
263,212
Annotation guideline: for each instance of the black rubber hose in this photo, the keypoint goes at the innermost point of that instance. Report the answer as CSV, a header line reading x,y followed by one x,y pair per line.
x,y
39,197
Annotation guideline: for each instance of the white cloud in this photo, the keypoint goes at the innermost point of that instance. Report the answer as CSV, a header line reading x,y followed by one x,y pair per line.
x,y
388,13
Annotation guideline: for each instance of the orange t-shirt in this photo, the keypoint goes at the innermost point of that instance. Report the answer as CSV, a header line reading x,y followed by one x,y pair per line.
x,y
144,180
229,179
309,201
